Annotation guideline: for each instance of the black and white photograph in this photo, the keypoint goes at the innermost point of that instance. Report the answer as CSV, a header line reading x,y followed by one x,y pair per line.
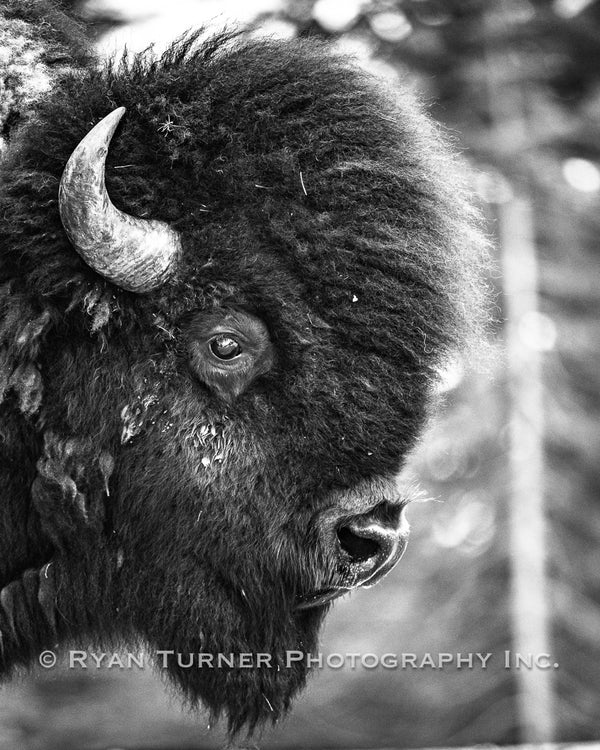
x,y
299,374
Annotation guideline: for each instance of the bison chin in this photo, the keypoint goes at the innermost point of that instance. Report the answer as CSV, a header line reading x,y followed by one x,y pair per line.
x,y
247,669
227,647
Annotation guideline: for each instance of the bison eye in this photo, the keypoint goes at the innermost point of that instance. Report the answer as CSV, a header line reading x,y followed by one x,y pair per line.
x,y
225,347
228,350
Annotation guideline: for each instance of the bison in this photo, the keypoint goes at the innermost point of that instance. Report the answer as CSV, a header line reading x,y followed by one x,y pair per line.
x,y
229,279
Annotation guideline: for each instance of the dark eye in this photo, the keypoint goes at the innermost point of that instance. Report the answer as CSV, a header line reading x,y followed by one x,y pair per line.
x,y
225,347
228,350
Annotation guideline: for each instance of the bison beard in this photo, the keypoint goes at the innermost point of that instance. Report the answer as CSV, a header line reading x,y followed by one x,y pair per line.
x,y
144,498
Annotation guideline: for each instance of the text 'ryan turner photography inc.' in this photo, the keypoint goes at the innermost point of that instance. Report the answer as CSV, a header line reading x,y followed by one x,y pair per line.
x,y
164,659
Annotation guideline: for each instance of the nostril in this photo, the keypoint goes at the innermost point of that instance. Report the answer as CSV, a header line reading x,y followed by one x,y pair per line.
x,y
359,548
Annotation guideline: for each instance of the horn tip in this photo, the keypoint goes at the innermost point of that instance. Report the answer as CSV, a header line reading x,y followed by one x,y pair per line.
x,y
115,116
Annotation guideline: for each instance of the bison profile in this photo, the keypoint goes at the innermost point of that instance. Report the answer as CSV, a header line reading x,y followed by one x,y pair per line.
x,y
229,277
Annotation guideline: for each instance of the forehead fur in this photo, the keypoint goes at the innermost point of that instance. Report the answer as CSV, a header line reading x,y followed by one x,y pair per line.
x,y
280,165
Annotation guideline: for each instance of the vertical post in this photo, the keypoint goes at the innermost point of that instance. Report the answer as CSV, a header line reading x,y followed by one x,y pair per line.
x,y
527,521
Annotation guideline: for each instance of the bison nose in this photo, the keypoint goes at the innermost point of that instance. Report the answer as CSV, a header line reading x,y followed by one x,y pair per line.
x,y
366,547
371,544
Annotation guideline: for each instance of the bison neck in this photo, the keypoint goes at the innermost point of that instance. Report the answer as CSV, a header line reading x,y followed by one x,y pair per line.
x,y
22,544
51,583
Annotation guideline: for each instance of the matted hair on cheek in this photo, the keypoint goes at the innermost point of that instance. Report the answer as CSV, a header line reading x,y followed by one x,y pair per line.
x,y
22,330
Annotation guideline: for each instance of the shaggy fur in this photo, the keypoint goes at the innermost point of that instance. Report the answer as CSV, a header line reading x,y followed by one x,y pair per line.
x,y
38,42
136,504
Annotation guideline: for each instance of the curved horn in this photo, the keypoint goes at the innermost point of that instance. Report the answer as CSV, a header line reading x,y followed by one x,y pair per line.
x,y
135,254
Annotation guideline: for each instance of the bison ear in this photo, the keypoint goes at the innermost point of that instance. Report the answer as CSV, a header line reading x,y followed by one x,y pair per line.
x,y
228,350
135,254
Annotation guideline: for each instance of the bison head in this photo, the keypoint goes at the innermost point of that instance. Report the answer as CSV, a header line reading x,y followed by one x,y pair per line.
x,y
211,377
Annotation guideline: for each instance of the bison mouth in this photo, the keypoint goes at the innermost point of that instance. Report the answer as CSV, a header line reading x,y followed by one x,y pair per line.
x,y
320,597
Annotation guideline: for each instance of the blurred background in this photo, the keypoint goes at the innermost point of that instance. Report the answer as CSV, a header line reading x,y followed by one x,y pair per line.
x,y
505,547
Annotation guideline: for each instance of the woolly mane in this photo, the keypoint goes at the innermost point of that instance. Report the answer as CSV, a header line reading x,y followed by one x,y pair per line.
x,y
303,194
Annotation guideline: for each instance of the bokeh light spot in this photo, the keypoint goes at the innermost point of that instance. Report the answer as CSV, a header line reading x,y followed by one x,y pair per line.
x,y
537,331
570,8
337,16
391,26
582,175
